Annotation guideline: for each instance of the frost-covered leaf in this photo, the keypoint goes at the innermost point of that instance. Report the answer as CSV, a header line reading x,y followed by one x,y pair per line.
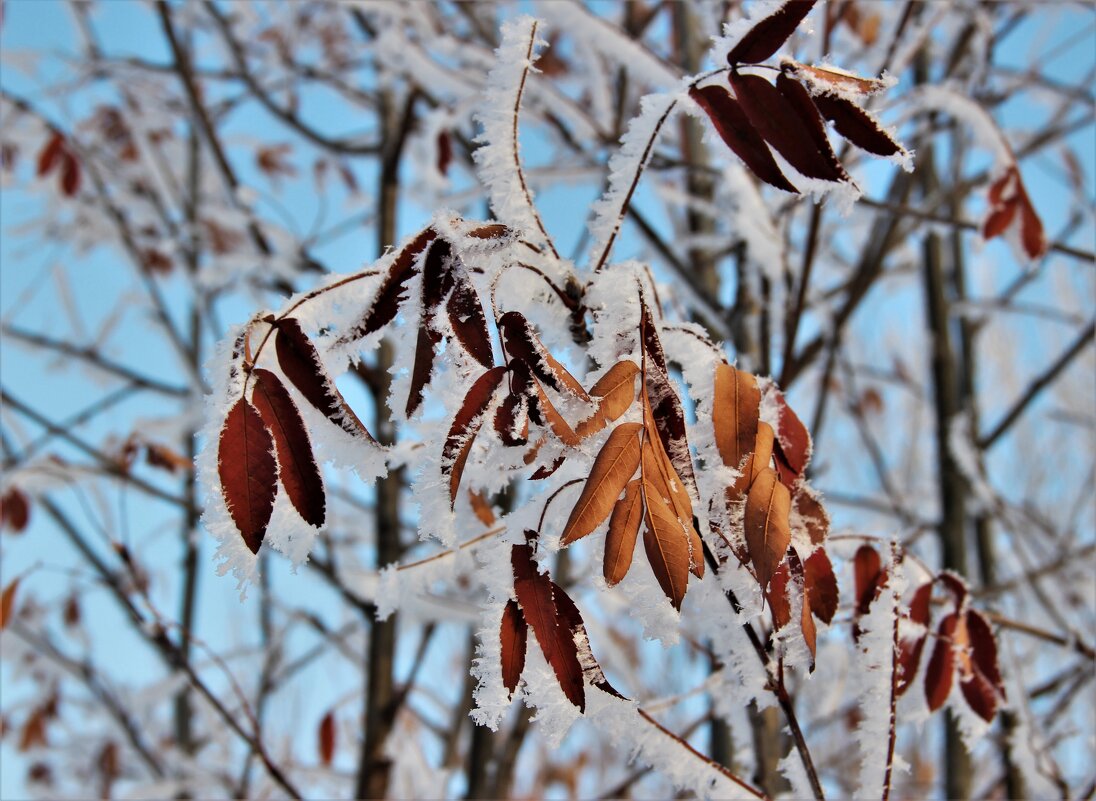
x,y
614,392
466,423
513,634
821,585
521,341
983,686
551,416
735,403
909,653
793,441
941,669
856,125
248,472
736,131
810,513
620,541
536,594
467,320
805,107
781,124
390,295
667,546
768,531
766,37
613,468
300,361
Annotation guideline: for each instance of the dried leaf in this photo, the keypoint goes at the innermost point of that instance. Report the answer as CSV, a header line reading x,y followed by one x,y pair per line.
x,y
470,326
805,107
560,427
482,508
615,392
325,738
536,595
521,341
571,619
445,154
667,546
766,37
664,408
70,175
248,472
988,684
806,620
819,77
620,542
768,531
390,294
777,596
614,467
660,477
14,510
462,433
793,442
512,419
821,585
7,602
856,125
297,468
736,401
734,128
810,514
869,577
437,281
782,125
941,668
300,361
513,634
50,154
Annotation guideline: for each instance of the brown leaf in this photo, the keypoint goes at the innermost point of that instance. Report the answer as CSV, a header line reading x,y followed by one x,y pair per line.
x,y
70,175
856,125
437,281
521,341
536,595
445,153
734,128
390,294
271,160
7,602
33,734
761,460
980,696
810,513
469,324
50,154
777,596
71,613
513,634
492,231
667,546
482,507
325,738
300,362
819,77
660,477
793,442
987,673
664,408
462,433
14,510
821,585
869,577
248,472
297,468
766,37
806,620
571,619
512,419
614,467
782,125
615,392
768,532
620,542
805,107
560,427
1032,236
941,669
736,402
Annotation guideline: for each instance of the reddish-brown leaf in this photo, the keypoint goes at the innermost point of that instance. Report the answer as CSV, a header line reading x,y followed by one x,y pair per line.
x,y
14,510
620,542
856,125
462,433
782,126
768,531
999,219
821,585
804,106
734,128
513,634
325,738
821,78
390,294
466,317
810,513
512,419
437,281
869,577
571,618
536,595
249,474
550,415
50,154
941,669
615,392
984,650
300,361
492,231
980,696
910,649
521,341
546,470
766,37
482,508
445,154
7,602
659,476
297,468
1032,236
667,546
806,619
664,408
613,468
777,596
736,401
70,175
793,442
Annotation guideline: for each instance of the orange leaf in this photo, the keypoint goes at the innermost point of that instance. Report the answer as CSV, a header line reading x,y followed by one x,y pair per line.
x,y
667,546
735,405
768,532
7,603
620,542
615,391
614,467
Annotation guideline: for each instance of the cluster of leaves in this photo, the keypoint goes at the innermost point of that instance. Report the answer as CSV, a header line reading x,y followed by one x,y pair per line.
x,y
790,115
